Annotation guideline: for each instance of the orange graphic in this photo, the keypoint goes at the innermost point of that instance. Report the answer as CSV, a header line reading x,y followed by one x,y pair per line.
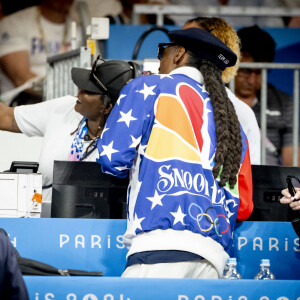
x,y
175,138
37,197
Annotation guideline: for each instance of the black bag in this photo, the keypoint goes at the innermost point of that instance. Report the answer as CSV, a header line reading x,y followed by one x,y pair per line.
x,y
33,267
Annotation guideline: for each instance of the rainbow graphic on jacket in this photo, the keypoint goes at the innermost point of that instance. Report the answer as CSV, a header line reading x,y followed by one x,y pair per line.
x,y
179,120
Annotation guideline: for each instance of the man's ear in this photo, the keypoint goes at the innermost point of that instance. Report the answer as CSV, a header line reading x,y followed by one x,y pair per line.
x,y
179,54
108,109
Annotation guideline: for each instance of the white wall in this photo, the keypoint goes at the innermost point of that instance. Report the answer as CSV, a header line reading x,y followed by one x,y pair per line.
x,y
18,147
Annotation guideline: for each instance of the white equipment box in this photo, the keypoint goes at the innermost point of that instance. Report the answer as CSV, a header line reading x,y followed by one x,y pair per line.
x,y
20,195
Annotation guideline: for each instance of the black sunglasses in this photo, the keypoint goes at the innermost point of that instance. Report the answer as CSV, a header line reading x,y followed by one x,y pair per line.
x,y
161,49
93,75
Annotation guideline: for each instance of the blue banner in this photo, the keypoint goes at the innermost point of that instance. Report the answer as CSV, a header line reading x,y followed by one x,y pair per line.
x,y
96,245
83,244
276,241
112,288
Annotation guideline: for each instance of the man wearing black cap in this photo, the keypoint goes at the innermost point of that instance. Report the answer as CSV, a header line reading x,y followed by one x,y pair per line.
x,y
259,46
179,136
71,126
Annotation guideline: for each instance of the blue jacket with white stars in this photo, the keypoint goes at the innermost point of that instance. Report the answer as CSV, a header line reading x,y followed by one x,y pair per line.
x,y
162,131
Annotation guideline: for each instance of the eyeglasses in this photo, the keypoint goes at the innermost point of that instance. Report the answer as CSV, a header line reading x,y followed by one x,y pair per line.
x,y
161,49
93,75
247,72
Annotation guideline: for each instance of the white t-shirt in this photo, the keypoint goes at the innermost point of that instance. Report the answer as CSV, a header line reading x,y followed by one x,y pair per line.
x,y
20,31
54,120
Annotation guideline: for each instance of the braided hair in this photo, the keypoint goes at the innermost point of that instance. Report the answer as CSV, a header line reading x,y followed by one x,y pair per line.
x,y
229,142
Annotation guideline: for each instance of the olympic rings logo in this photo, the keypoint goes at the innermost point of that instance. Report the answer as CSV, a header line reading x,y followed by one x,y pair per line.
x,y
208,218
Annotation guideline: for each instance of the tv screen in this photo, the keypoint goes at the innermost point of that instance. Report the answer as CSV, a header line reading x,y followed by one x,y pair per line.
x,y
81,190
268,182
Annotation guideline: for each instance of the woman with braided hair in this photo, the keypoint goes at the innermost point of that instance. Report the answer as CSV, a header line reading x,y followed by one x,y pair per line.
x,y
190,174
228,35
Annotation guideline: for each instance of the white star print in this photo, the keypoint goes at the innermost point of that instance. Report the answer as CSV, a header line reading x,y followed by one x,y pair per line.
x,y
108,150
137,222
104,129
148,90
165,75
142,149
156,199
120,97
179,215
135,141
126,118
121,168
202,87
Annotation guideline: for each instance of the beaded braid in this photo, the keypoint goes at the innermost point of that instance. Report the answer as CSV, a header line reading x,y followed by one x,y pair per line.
x,y
235,143
229,142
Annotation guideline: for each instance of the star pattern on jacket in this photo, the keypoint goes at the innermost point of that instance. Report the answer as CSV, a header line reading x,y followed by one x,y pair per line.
x,y
178,215
108,150
126,117
120,97
156,199
148,90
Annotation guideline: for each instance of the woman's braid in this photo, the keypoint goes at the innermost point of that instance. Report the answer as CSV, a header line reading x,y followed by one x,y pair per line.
x,y
229,144
212,82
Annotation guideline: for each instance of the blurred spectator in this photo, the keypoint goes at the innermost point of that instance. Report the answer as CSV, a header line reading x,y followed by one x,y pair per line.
x,y
28,37
292,22
235,21
259,46
111,9
126,15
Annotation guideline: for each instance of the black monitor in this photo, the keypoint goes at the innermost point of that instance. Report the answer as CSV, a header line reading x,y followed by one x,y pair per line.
x,y
24,167
268,182
81,190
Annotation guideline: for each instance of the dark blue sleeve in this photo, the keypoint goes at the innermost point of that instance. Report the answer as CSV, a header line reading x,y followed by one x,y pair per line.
x,y
12,285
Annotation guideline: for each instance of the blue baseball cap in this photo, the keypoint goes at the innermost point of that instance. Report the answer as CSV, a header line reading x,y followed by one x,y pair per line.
x,y
205,45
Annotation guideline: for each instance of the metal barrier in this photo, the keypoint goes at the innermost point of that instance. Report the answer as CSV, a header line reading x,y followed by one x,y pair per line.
x,y
263,121
58,82
201,10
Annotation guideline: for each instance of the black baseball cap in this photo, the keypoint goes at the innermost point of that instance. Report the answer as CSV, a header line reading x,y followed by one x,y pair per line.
x,y
205,45
108,77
